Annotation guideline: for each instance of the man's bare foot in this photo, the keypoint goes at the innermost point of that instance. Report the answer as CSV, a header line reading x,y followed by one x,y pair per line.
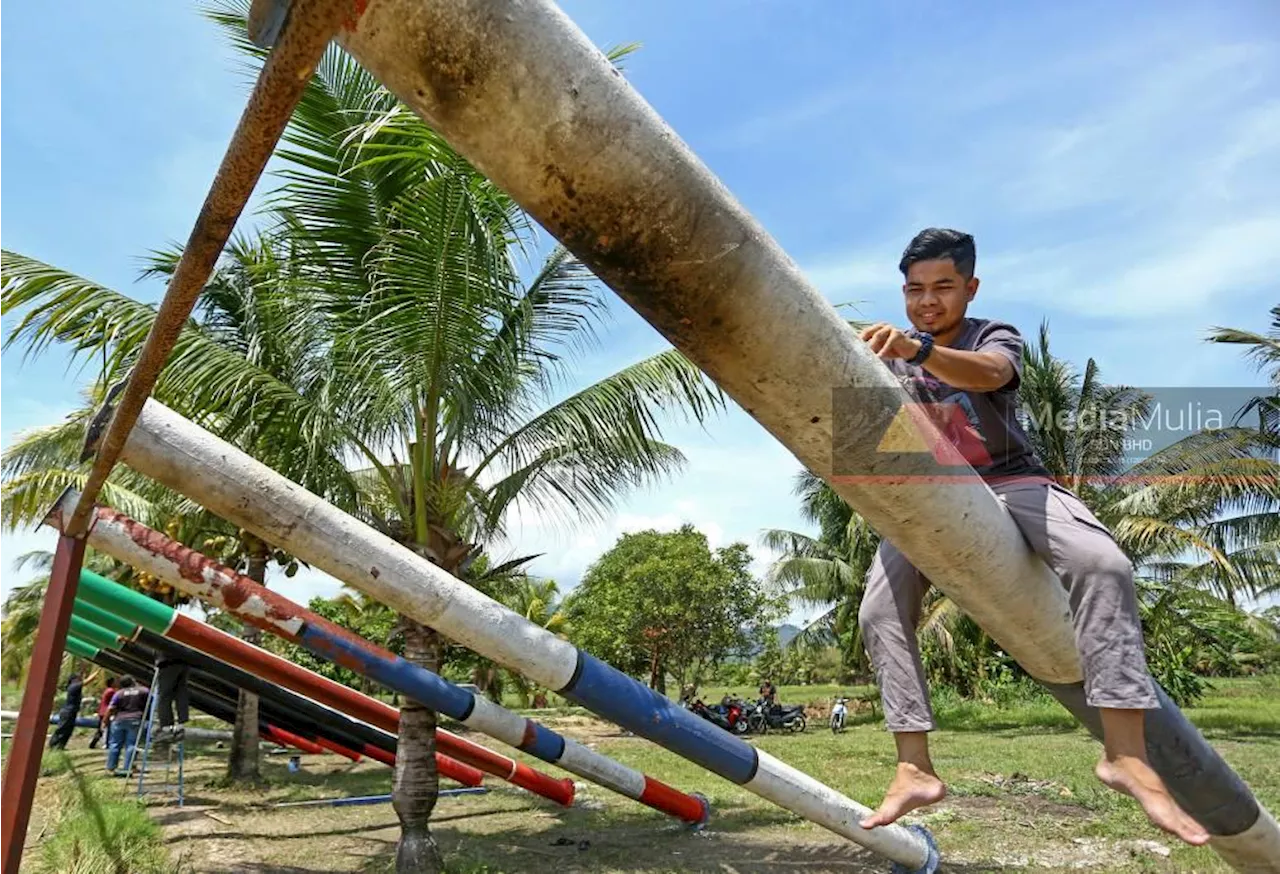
x,y
1135,778
911,788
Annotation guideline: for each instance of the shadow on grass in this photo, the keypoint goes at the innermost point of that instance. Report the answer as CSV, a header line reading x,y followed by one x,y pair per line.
x,y
89,804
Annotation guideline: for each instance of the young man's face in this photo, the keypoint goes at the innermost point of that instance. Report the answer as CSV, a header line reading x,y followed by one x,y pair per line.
x,y
937,295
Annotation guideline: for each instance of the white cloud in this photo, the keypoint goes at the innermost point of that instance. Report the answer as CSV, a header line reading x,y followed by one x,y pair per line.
x,y
1170,271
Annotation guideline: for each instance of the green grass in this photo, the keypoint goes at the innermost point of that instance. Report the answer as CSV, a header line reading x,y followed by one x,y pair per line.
x,y
10,696
92,828
1020,776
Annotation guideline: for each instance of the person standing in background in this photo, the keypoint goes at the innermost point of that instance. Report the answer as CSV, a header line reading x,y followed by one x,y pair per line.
x,y
103,703
125,713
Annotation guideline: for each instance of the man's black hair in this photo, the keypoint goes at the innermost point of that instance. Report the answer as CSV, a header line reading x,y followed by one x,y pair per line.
x,y
935,244
127,681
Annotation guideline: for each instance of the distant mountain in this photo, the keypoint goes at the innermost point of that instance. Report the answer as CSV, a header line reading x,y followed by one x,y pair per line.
x,y
786,634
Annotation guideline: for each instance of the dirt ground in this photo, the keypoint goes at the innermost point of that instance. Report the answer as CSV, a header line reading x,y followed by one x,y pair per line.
x,y
1021,828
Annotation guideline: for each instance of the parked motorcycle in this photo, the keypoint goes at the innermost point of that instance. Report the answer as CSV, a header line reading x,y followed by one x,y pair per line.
x,y
709,714
730,714
838,715
790,718
734,711
756,718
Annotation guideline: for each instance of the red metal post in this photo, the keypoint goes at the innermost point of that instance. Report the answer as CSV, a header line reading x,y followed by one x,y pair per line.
x,y
37,700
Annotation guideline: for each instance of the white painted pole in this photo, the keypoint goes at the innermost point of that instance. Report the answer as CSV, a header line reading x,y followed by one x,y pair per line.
x,y
228,482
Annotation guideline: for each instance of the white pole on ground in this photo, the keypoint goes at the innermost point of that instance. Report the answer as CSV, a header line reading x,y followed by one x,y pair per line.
x,y
242,490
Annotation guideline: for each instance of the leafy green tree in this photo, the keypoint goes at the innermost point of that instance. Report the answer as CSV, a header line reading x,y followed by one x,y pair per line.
x,y
665,602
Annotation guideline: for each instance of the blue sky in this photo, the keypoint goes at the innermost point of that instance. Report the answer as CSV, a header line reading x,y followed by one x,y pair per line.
x,y
1119,165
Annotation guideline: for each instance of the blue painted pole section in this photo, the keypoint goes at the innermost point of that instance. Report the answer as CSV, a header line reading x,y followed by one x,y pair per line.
x,y
394,673
608,692
544,743
525,734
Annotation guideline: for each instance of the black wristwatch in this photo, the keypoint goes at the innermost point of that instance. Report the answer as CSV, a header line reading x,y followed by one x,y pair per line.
x,y
926,346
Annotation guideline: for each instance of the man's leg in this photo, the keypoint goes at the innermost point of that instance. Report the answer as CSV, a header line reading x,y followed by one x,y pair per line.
x,y
115,737
62,734
182,696
888,617
166,680
1098,577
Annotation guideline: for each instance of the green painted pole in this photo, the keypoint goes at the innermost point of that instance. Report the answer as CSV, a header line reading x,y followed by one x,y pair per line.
x,y
92,633
78,647
104,618
125,603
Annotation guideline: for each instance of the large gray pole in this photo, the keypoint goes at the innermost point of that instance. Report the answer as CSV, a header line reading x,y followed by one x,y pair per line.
x,y
519,90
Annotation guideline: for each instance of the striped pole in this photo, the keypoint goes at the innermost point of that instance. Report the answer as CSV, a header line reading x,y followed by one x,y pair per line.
x,y
217,585
287,710
167,622
217,706
242,490
316,723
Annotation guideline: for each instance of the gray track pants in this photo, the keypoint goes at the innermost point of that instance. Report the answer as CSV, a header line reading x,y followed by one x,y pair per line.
x,y
1078,548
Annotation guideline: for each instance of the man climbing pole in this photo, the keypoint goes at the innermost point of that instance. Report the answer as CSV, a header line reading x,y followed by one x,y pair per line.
x,y
67,715
948,359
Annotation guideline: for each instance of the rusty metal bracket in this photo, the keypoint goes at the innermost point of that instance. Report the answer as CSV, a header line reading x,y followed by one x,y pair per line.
x,y
266,21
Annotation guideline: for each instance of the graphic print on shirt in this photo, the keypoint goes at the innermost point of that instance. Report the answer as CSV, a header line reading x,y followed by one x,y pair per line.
x,y
951,411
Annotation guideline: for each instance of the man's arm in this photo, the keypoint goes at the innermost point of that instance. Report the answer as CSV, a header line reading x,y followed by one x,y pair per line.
x,y
967,371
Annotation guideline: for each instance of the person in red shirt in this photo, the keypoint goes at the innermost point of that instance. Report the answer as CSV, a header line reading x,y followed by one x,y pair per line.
x,y
103,703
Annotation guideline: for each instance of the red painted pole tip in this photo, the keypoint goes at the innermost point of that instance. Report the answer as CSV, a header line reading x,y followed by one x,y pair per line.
x,y
559,791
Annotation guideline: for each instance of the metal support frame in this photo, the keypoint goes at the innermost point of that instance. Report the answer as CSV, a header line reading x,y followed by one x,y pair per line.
x,y
153,704
304,31
23,765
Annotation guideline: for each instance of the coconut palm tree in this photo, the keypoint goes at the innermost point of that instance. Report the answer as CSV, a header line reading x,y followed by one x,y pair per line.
x,y
827,572
426,390
539,602
1265,353
22,608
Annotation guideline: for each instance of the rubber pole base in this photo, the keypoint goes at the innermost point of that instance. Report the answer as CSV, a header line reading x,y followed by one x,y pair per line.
x,y
931,864
706,811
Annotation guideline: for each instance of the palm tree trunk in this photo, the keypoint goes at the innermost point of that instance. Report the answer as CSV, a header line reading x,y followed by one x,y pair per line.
x,y
416,782
243,763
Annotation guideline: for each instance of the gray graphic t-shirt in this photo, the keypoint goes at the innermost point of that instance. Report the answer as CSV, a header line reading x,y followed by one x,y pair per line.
x,y
1002,447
